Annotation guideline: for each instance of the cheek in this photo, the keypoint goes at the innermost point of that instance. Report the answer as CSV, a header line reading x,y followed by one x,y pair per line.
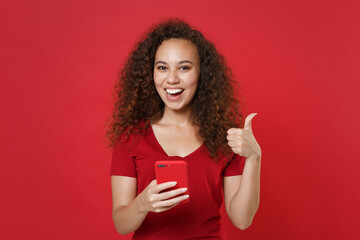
x,y
193,82
157,80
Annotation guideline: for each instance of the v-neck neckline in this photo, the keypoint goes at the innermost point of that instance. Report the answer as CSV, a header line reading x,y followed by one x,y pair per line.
x,y
178,157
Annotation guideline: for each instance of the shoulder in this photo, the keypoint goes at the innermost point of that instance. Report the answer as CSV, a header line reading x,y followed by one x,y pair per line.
x,y
130,140
235,166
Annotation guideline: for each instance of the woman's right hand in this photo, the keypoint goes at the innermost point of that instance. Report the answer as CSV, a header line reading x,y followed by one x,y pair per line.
x,y
151,200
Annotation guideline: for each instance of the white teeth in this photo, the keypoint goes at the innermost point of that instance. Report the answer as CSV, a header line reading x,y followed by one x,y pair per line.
x,y
173,91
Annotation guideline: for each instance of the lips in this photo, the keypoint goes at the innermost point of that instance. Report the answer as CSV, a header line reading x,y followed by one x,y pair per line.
x,y
174,90
174,93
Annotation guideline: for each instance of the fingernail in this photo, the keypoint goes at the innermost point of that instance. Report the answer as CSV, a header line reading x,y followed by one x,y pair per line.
x,y
186,196
184,189
173,183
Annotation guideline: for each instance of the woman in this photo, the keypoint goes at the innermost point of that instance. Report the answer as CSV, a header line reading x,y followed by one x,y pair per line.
x,y
175,102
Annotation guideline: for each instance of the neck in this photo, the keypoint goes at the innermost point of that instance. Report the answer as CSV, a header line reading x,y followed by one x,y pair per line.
x,y
176,118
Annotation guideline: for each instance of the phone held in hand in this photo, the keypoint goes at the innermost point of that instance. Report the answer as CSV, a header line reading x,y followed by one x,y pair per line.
x,y
169,171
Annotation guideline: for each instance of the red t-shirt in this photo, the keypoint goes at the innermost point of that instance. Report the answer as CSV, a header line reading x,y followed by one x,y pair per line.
x,y
200,217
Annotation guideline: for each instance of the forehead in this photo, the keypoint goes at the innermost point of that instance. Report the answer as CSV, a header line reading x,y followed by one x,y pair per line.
x,y
176,50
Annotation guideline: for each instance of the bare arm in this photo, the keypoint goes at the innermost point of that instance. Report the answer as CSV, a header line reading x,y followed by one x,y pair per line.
x,y
129,210
242,194
126,214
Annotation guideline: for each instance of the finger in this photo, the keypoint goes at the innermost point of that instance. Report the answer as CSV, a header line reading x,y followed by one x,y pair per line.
x,y
170,194
234,131
151,186
158,210
248,120
237,150
233,144
153,183
170,202
237,144
232,137
162,186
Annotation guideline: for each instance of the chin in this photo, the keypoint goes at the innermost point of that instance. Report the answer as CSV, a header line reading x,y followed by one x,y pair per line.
x,y
178,107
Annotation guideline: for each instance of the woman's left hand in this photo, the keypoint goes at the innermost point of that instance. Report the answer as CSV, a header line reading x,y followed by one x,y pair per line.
x,y
242,140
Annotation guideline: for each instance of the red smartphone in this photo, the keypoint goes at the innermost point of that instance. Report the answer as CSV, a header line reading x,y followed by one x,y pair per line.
x,y
169,171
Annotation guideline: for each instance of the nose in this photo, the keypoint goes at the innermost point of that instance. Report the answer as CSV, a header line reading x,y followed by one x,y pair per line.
x,y
173,77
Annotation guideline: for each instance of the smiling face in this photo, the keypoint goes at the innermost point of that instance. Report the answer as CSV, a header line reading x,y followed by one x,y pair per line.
x,y
176,73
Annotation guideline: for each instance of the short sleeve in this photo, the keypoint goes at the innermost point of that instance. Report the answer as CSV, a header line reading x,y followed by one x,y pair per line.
x,y
122,163
235,166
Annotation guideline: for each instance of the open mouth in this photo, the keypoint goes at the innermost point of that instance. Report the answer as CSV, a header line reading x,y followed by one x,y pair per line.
x,y
174,92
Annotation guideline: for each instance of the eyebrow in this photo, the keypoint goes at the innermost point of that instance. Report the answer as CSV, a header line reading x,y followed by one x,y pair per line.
x,y
181,62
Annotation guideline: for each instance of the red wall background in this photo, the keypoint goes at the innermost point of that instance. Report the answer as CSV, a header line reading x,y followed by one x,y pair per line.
x,y
297,61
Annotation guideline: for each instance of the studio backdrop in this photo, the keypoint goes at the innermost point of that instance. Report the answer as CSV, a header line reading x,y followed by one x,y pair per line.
x,y
297,63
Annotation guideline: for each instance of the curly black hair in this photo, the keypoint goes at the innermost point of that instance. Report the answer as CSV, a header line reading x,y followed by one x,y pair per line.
x,y
214,107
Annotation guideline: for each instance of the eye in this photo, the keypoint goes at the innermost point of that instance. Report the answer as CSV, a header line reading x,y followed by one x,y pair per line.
x,y
162,68
184,68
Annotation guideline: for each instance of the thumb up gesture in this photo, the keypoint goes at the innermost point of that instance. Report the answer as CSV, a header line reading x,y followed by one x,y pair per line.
x,y
242,140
